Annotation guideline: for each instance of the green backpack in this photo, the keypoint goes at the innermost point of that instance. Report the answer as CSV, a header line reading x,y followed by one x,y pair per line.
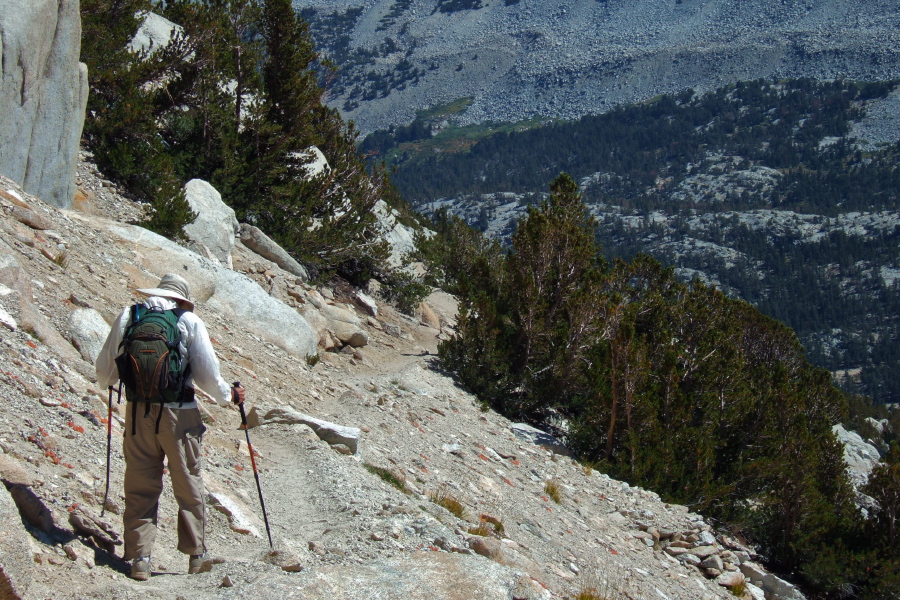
x,y
151,366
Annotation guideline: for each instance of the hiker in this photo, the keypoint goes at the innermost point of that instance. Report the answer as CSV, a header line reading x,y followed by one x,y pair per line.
x,y
162,420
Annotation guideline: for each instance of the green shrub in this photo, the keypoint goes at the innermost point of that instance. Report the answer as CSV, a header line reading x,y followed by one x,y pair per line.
x,y
404,291
388,476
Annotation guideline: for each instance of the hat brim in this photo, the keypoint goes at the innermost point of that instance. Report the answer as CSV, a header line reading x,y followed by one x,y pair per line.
x,y
163,293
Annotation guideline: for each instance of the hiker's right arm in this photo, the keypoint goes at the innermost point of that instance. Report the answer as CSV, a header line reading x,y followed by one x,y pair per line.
x,y
107,373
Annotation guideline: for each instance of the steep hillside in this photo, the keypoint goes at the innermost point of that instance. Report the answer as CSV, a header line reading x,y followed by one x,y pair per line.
x,y
534,524
518,59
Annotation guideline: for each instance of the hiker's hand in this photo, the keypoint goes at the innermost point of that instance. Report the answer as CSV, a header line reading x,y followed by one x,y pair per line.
x,y
237,394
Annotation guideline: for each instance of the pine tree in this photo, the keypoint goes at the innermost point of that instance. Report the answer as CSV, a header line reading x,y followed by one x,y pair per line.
x,y
884,487
121,125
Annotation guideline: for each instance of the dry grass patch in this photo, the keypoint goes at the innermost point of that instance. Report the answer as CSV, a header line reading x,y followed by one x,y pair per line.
x,y
442,496
552,489
602,586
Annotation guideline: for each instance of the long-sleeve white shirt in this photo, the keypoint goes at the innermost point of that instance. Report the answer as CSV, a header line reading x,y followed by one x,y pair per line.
x,y
195,347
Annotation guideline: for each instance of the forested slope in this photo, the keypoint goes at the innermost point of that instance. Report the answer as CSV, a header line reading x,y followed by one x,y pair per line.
x,y
759,188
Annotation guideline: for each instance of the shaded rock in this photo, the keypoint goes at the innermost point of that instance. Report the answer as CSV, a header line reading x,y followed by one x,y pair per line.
x,y
43,95
76,551
314,162
367,303
216,226
860,456
16,278
756,593
341,315
879,425
32,507
535,436
16,566
772,585
7,320
89,330
349,334
399,237
330,432
154,33
288,561
257,241
706,539
486,546
713,562
101,532
704,551
730,579
28,217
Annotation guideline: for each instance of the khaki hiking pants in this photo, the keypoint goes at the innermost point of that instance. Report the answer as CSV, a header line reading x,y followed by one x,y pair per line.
x,y
179,439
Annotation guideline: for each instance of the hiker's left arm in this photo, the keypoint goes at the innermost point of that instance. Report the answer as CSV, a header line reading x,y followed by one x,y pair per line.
x,y
105,365
204,364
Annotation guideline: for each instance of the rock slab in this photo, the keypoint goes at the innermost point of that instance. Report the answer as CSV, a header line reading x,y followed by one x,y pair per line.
x,y
535,436
16,566
89,331
257,241
330,432
216,226
43,96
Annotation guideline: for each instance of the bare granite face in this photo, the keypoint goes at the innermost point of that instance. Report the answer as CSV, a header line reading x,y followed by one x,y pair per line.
x,y
43,95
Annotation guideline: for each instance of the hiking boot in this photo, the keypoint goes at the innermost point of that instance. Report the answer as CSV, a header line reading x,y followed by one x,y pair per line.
x,y
140,568
199,563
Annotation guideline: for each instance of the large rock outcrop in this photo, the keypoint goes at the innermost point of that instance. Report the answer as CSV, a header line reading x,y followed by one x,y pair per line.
x,y
215,228
43,95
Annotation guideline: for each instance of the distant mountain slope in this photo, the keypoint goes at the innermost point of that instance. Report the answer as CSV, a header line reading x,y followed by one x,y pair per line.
x,y
564,58
759,188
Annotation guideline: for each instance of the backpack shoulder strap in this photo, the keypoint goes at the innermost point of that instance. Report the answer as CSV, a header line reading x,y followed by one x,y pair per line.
x,y
135,319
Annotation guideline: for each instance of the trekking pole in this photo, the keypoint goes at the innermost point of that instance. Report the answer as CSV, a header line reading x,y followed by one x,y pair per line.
x,y
262,503
108,444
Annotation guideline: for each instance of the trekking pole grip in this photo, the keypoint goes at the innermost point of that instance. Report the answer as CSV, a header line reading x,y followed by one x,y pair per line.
x,y
236,385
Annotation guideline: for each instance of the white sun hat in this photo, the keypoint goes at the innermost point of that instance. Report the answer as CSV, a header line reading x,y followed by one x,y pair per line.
x,y
174,287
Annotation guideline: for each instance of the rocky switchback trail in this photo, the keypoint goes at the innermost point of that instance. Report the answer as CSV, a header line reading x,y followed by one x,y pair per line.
x,y
484,511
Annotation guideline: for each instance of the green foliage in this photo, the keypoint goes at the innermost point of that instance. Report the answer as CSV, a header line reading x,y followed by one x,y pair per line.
x,y
672,387
404,290
169,211
648,161
387,476
236,101
884,487
120,126
451,6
